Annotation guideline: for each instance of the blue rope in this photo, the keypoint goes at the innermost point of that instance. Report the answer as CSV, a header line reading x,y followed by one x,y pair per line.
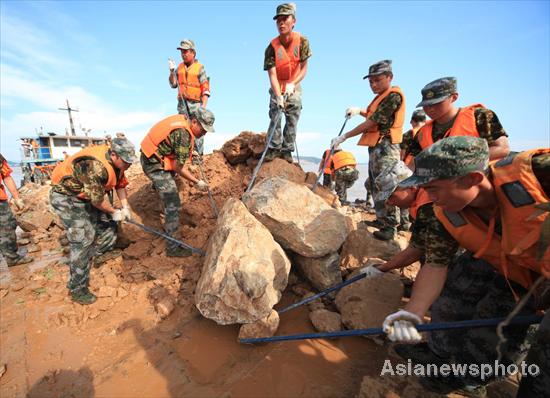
x,y
430,327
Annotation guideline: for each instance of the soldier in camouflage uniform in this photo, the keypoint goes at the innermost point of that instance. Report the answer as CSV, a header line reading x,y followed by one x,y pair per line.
x,y
285,94
343,166
78,197
188,103
8,240
176,145
382,119
453,171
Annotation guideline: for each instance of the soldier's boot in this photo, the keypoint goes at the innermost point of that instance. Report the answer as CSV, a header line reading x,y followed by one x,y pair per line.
x,y
375,223
103,258
287,155
385,234
178,251
271,154
83,296
19,261
23,241
404,227
33,248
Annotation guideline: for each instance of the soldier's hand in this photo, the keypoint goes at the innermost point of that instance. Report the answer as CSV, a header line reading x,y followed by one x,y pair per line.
x,y
201,185
126,213
19,204
289,88
280,102
195,154
371,272
400,327
117,215
171,64
353,111
337,141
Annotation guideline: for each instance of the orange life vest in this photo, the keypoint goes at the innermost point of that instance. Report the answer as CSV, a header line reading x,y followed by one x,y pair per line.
x,y
421,199
464,125
159,133
5,171
324,161
65,168
287,59
189,84
518,191
372,137
342,159
409,158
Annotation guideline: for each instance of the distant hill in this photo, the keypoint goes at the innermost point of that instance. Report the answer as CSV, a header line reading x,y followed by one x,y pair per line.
x,y
311,159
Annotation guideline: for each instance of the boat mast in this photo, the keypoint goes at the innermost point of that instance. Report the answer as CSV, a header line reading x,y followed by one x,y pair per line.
x,y
69,110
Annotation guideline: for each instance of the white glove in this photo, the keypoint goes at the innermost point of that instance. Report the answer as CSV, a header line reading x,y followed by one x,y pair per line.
x,y
19,204
201,185
195,154
171,64
117,215
400,326
289,88
371,272
337,141
126,213
353,111
280,102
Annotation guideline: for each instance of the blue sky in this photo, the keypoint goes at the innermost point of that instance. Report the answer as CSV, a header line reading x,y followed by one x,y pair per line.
x,y
110,60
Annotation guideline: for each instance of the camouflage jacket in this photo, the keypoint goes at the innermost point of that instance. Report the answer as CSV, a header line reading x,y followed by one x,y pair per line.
x,y
385,113
178,144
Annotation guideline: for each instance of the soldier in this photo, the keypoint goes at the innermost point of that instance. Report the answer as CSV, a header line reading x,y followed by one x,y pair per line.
x,y
491,211
8,240
285,61
438,98
343,166
418,119
79,185
192,83
382,132
164,151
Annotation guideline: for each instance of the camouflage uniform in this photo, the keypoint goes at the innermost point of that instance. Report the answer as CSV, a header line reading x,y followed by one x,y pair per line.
x,y
8,240
90,231
383,155
345,177
293,104
473,290
178,143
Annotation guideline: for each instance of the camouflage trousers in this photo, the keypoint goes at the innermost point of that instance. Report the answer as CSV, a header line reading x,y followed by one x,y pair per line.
x,y
382,156
165,185
345,177
90,233
539,354
292,110
8,240
193,107
327,180
473,290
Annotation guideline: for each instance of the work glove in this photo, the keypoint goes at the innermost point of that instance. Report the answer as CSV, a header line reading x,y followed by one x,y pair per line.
x,y
126,213
289,88
337,141
118,215
171,64
201,185
19,204
371,272
400,327
353,111
280,102
195,154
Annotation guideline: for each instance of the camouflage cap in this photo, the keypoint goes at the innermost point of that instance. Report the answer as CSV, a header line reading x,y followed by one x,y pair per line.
x,y
286,9
419,115
388,180
124,149
379,68
206,119
447,158
187,44
437,91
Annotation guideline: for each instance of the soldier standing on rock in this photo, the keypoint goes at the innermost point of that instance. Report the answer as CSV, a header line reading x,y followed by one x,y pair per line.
x,y
382,132
164,151
79,185
8,239
285,61
343,166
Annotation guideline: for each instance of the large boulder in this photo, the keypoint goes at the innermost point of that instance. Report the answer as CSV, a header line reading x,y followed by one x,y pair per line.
x,y
244,272
366,303
321,272
265,327
297,218
361,245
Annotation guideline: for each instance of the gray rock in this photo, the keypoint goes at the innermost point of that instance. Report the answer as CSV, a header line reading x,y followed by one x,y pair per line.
x,y
321,272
